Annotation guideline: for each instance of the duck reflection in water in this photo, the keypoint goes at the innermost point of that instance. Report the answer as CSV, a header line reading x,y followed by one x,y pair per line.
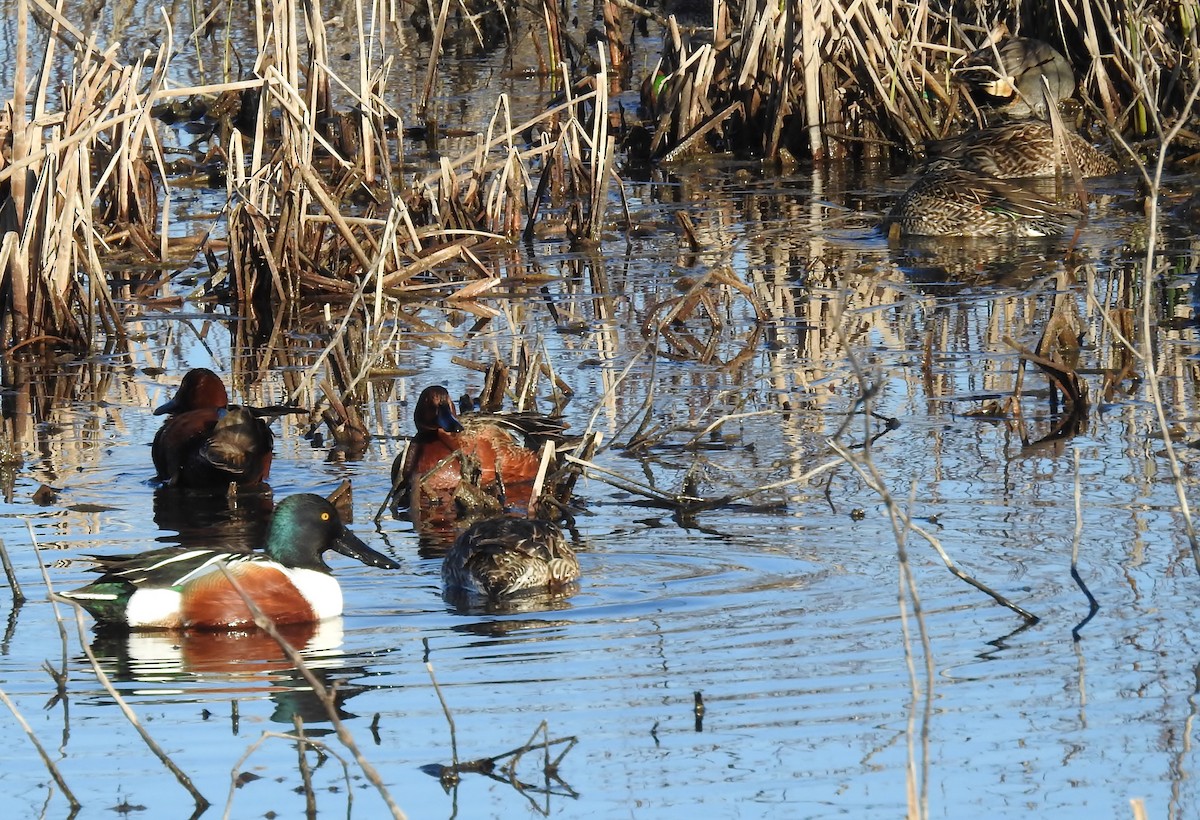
x,y
246,664
236,522
942,266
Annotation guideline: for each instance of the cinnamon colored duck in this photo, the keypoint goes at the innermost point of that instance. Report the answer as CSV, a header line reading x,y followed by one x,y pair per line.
x,y
480,446
207,443
183,588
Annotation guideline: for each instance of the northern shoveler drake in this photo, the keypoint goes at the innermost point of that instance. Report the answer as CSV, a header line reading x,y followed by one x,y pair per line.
x,y
1016,75
1021,149
504,555
206,443
955,202
433,459
183,588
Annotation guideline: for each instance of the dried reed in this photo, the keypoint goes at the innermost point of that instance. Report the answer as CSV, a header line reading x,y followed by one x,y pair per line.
x,y
318,207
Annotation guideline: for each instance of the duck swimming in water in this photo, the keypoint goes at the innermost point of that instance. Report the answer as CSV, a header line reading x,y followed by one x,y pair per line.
x,y
207,443
183,588
503,556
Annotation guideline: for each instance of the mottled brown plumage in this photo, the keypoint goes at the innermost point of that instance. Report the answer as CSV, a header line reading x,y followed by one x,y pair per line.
x,y
504,555
955,202
1022,149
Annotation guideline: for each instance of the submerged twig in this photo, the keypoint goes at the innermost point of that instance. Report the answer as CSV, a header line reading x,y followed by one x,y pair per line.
x,y
60,675
310,799
451,775
320,746
445,711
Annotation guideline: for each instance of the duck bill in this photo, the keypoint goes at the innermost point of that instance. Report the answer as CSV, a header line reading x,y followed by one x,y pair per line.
x,y
169,407
352,546
447,421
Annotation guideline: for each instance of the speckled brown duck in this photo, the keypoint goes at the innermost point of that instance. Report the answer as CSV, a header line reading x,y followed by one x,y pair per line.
x,y
958,202
1020,149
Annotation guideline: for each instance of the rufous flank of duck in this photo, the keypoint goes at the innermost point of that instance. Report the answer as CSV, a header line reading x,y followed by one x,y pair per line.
x,y
1016,75
184,588
206,443
487,438
506,555
1022,149
956,202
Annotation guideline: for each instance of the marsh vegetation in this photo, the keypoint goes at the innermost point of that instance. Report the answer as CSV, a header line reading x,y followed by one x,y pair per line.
x,y
662,225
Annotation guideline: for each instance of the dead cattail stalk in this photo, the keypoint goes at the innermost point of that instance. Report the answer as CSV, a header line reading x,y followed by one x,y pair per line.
x,y
11,575
301,741
435,52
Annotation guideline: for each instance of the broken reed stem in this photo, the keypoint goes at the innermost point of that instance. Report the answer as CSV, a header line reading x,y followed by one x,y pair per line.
x,y
932,540
623,482
49,764
544,730
874,480
61,677
305,384
901,521
611,392
18,595
445,711
435,52
545,461
310,799
1153,181
184,780
432,178
696,439
267,625
391,495
1147,328
906,589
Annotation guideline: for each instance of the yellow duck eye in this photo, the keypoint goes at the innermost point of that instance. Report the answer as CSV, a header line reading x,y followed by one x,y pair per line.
x,y
324,516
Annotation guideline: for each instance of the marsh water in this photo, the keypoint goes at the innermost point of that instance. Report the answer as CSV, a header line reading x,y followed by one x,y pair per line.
x,y
779,611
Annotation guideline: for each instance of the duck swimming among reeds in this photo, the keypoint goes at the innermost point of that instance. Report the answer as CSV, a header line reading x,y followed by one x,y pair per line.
x,y
956,202
183,588
500,463
505,555
1020,149
207,443
1016,76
